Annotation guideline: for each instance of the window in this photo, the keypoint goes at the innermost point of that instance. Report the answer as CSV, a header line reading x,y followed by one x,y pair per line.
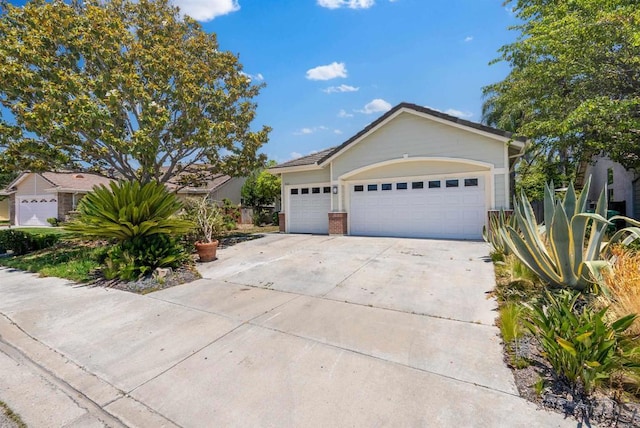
x,y
294,191
315,190
609,176
386,186
401,186
452,183
305,191
326,190
372,188
434,184
417,185
470,182
358,188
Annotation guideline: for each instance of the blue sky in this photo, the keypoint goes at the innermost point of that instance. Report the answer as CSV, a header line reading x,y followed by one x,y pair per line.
x,y
371,55
333,66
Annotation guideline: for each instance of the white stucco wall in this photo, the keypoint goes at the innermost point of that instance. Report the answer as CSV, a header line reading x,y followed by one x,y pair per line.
x,y
622,182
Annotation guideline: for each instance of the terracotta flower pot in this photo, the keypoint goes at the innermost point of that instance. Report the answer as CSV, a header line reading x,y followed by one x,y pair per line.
x,y
207,250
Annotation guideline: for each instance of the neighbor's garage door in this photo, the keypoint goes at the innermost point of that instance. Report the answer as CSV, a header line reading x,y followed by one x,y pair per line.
x,y
309,208
423,208
35,210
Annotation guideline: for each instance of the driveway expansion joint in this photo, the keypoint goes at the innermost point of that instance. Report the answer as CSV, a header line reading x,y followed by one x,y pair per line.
x,y
475,384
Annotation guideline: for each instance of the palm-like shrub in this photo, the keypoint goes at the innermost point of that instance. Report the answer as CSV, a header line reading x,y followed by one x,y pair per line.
x,y
142,219
127,210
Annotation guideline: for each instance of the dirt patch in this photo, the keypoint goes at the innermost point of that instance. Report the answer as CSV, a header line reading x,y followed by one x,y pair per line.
x,y
537,383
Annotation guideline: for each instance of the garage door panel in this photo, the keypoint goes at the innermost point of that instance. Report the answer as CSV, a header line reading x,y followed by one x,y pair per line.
x,y
35,210
437,212
308,213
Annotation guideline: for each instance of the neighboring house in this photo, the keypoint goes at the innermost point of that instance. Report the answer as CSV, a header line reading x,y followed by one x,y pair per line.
x,y
623,186
414,172
218,188
35,197
4,208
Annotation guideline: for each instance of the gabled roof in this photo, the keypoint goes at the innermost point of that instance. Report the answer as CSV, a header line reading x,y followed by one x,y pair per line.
x,y
211,185
320,158
63,181
307,160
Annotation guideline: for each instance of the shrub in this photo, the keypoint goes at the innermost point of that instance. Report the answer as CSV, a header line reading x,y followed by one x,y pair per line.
x,y
22,242
623,283
261,216
129,210
580,345
231,214
53,221
132,259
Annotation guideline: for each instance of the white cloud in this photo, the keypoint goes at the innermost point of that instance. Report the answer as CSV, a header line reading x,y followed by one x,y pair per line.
x,y
295,155
351,4
206,10
337,132
307,131
468,38
259,77
376,106
343,114
327,72
459,113
341,88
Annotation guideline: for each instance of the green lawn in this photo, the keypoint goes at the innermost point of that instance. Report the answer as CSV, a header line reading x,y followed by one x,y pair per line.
x,y
43,230
69,260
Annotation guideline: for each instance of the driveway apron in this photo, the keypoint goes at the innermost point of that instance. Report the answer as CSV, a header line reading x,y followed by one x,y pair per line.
x,y
285,330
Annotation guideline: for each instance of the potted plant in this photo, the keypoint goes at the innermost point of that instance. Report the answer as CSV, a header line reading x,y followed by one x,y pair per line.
x,y
209,223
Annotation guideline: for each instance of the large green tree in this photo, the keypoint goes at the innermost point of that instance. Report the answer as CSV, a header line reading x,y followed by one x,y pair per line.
x,y
261,188
128,86
574,84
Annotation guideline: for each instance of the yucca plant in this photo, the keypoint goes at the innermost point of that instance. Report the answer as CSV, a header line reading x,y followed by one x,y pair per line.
x,y
127,209
557,250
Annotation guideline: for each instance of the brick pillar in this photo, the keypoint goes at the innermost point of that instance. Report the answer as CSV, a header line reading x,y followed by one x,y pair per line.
x,y
281,220
337,223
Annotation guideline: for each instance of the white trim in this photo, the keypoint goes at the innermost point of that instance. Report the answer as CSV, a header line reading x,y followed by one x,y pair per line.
x,y
347,175
425,116
507,181
331,184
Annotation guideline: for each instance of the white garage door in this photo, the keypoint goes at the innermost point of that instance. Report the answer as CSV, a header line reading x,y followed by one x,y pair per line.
x,y
35,210
309,208
429,207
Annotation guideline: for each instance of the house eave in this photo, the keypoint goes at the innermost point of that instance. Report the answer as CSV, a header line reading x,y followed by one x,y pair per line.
x,y
300,168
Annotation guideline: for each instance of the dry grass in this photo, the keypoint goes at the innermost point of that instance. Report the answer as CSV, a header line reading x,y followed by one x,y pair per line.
x,y
623,281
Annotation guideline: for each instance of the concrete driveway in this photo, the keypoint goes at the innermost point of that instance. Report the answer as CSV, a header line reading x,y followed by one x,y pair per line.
x,y
286,330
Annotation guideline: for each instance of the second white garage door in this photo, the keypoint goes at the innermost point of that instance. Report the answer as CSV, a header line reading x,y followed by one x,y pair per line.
x,y
35,210
309,208
428,207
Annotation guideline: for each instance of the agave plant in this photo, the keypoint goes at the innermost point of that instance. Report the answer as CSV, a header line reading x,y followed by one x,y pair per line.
x,y
493,236
128,210
557,251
